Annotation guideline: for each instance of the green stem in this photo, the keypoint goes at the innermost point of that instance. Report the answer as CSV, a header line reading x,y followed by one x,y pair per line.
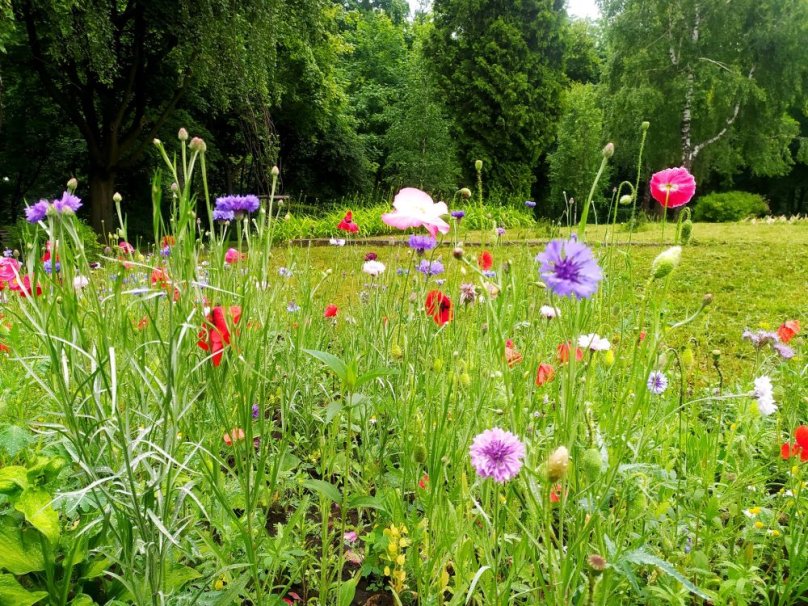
x,y
585,211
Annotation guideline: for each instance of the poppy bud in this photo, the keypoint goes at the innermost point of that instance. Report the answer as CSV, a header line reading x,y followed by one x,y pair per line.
x,y
116,197
707,299
182,135
716,354
437,364
419,454
687,231
625,199
591,464
157,142
608,357
198,145
666,262
608,150
457,253
72,184
645,125
557,463
175,187
478,165
687,357
465,192
465,379
396,351
287,217
275,171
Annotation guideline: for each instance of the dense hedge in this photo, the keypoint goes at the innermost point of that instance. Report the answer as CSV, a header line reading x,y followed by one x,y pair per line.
x,y
729,206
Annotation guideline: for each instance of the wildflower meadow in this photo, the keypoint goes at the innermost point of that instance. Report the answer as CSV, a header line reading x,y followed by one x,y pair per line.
x,y
216,415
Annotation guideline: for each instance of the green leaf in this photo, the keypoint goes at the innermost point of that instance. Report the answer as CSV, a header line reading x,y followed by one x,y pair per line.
x,y
13,478
325,489
347,591
20,549
82,599
333,362
332,411
14,594
13,439
638,556
365,502
178,576
375,374
35,504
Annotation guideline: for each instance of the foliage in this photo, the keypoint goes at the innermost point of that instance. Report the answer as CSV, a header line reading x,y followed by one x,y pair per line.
x,y
577,156
729,206
22,232
500,66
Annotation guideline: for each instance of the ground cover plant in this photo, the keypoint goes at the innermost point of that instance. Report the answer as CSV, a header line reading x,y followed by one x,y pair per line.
x,y
606,417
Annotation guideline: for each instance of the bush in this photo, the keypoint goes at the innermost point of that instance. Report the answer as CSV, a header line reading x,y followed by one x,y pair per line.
x,y
729,206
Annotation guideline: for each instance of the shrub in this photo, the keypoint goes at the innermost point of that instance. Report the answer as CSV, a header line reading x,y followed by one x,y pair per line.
x,y
729,206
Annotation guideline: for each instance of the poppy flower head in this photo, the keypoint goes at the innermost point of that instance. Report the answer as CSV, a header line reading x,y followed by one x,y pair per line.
x,y
439,306
512,356
215,333
788,330
563,352
485,261
673,187
330,311
544,374
347,223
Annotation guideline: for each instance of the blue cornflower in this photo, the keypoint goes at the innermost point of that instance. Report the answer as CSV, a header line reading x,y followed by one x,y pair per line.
x,y
530,204
432,268
568,267
292,307
284,272
657,382
458,214
422,243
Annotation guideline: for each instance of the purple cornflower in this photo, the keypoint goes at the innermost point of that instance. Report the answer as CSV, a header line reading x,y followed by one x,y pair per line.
x,y
256,410
657,382
292,307
569,269
165,251
371,256
37,212
238,204
402,272
530,204
223,215
421,243
760,338
7,253
48,266
497,454
784,350
432,268
284,272
500,231
67,203
458,214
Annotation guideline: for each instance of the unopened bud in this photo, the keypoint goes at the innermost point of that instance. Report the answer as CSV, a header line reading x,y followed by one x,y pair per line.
x,y
198,145
597,563
608,151
116,197
625,199
175,187
716,354
478,164
666,262
557,463
465,192
687,231
591,464
72,184
419,454
275,171
707,299
157,142
182,135
457,253
645,125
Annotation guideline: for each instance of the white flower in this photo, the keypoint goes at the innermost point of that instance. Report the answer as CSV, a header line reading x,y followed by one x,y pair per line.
x,y
764,392
80,282
373,268
550,312
336,242
594,342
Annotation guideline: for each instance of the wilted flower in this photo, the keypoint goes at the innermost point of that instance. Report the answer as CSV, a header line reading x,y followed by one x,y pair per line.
x,y
657,382
563,352
512,356
569,269
414,208
497,454
764,393
468,292
673,187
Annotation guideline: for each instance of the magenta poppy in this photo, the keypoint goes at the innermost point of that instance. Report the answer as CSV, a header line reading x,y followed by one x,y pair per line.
x,y
673,187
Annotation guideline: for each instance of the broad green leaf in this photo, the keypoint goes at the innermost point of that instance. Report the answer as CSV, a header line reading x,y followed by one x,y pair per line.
x,y
638,556
179,576
365,502
332,411
347,591
325,489
97,568
20,549
14,439
333,362
82,600
14,594
12,479
35,505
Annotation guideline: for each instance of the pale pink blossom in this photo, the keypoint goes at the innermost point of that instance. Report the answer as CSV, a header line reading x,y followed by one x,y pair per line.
x,y
414,208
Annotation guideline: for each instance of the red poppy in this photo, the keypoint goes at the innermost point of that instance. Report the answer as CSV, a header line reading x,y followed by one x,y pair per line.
x,y
424,481
330,311
24,287
512,357
159,277
643,334
234,435
4,348
563,352
799,447
168,241
143,323
216,334
485,261
439,306
555,493
788,330
544,374
347,223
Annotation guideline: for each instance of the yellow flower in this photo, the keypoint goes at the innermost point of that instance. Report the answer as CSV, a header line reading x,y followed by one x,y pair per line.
x,y
218,584
759,524
400,560
754,510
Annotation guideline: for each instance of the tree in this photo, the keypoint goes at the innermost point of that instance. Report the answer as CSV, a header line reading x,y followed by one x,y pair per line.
x,y
500,66
117,70
715,79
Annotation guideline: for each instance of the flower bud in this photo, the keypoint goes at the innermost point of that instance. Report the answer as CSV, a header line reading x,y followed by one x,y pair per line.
x,y
419,454
625,199
437,364
716,354
597,563
182,135
275,171
645,125
478,165
557,464
175,187
608,357
591,464
157,142
198,145
465,379
707,299
72,184
608,151
688,358
687,231
116,197
457,253
465,192
666,262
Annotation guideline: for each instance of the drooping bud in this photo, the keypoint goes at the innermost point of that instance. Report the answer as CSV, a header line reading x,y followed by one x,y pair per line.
x,y
591,464
72,184
625,199
666,262
116,197
198,145
557,463
608,150
645,125
182,135
478,165
275,171
419,454
465,192
707,299
687,231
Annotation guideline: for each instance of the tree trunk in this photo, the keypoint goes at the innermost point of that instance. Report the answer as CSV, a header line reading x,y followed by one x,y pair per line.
x,y
102,187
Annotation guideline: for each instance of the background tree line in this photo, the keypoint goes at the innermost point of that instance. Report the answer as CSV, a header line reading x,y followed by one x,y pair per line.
x,y
361,97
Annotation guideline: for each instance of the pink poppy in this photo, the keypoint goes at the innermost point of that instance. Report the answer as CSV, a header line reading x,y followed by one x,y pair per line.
x,y
414,208
126,248
232,256
673,187
9,269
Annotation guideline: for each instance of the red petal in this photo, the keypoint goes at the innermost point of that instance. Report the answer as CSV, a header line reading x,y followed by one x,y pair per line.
x,y
801,435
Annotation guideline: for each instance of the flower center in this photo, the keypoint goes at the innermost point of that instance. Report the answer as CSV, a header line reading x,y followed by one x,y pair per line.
x,y
566,269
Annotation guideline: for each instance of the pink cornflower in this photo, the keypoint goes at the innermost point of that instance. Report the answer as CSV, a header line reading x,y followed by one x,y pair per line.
x,y
497,454
673,187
